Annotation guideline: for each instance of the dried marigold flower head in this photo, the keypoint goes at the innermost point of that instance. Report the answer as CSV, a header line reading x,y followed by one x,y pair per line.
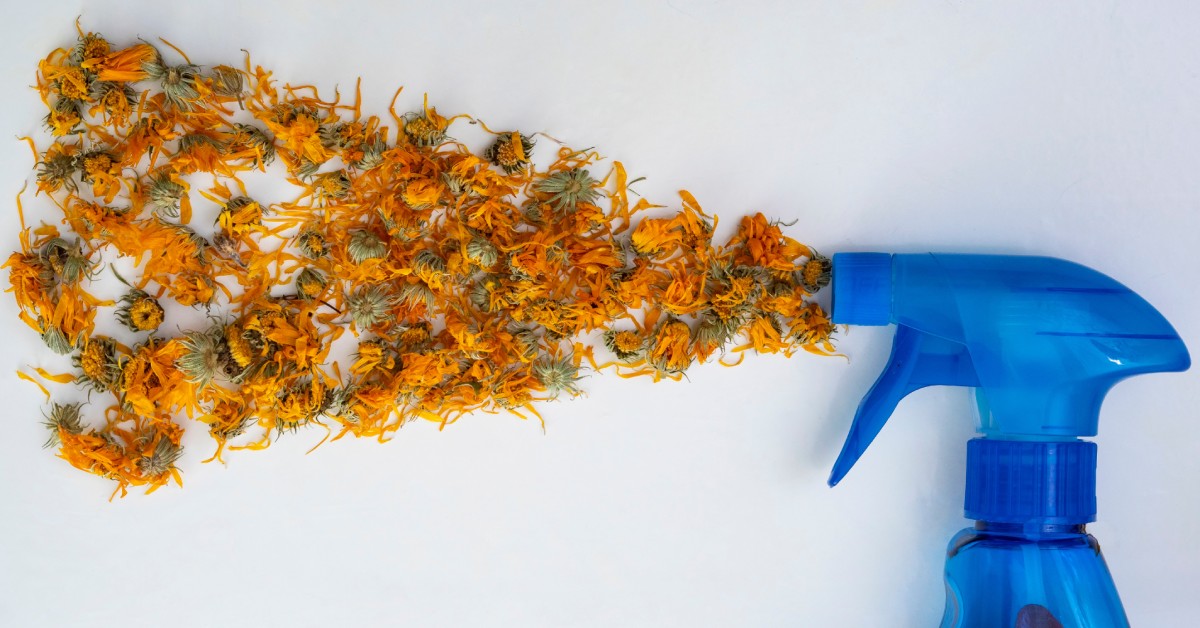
x,y
365,245
239,347
56,339
116,100
332,185
180,83
240,215
57,168
369,154
90,47
63,418
64,118
568,189
247,137
205,355
310,283
164,193
66,259
557,375
625,344
312,243
161,458
72,84
370,306
424,129
97,359
510,152
128,64
140,311
227,81
670,347
815,273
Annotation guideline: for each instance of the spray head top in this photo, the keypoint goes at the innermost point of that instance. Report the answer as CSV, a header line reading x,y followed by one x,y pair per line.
x,y
1041,340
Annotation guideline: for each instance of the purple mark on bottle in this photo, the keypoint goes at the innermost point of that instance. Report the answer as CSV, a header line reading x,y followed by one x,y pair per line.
x,y
1036,616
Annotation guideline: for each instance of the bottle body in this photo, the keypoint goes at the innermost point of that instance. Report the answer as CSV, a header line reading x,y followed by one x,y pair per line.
x,y
1014,576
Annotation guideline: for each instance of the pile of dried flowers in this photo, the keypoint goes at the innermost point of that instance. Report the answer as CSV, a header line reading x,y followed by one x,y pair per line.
x,y
471,281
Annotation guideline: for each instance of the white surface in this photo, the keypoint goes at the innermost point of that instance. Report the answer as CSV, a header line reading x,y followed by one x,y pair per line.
x,y
1069,129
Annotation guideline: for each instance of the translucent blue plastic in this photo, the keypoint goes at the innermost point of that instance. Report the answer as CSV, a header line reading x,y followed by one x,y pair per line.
x,y
1030,482
1051,577
1040,339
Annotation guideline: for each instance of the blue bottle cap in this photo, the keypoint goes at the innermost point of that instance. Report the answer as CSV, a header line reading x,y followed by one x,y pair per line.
x,y
1031,482
862,289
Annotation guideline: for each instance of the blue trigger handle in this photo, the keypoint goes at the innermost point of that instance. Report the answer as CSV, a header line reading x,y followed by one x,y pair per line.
x,y
917,360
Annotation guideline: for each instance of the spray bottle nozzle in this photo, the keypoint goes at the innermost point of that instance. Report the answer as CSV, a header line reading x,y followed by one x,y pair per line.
x,y
1041,340
863,289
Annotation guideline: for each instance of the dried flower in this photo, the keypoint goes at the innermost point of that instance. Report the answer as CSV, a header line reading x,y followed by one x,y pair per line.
x,y
199,152
427,263
417,294
310,283
423,129
64,118
140,311
812,328
482,252
332,185
473,280
178,82
164,193
569,188
227,81
365,245
204,355
370,153
298,127
670,348
90,47
240,215
312,243
557,375
66,259
486,294
192,287
247,137
510,152
57,169
128,64
656,238
63,417
240,349
162,458
370,306
71,83
55,339
116,100
101,169
298,404
373,356
97,359
815,273
625,344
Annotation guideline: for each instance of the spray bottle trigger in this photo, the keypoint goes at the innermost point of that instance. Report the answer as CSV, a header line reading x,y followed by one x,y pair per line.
x,y
917,360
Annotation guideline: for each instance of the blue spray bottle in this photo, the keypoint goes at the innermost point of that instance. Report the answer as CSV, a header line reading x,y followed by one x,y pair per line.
x,y
1040,341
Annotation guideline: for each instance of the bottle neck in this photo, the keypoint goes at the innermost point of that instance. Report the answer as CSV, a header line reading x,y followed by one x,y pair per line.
x,y
1032,530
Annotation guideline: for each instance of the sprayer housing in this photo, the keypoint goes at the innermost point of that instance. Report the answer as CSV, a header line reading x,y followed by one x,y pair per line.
x,y
1041,341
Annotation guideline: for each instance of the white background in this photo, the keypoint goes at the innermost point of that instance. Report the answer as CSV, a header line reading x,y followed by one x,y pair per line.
x,y
1069,128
